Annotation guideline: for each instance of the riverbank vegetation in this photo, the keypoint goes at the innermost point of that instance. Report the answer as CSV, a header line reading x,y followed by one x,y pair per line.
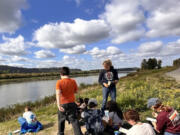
x,y
133,91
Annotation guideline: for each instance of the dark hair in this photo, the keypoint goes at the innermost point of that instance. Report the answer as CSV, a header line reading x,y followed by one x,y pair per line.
x,y
80,100
92,105
132,115
28,108
64,71
86,100
112,106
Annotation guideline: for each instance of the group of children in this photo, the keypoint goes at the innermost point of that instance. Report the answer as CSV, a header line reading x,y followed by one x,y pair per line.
x,y
96,120
110,121
109,118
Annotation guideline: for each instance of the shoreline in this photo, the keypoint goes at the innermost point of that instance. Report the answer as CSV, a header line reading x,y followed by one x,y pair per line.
x,y
29,79
42,78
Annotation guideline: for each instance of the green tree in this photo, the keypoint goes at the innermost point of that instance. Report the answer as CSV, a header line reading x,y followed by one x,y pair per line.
x,y
144,64
159,64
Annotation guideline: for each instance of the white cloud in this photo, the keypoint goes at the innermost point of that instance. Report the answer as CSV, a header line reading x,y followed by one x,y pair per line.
x,y
10,15
67,35
125,19
1,59
78,2
109,52
79,49
158,49
19,59
150,48
44,54
171,49
164,17
13,46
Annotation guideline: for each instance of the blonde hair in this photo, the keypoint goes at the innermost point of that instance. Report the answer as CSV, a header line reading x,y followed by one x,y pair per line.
x,y
108,62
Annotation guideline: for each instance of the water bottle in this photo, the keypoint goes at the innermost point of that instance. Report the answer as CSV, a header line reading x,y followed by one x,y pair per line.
x,y
116,133
10,133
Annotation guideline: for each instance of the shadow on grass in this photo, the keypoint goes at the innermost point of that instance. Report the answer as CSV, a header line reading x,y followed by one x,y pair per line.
x,y
48,125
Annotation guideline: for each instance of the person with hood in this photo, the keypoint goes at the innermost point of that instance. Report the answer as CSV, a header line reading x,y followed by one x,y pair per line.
x,y
108,78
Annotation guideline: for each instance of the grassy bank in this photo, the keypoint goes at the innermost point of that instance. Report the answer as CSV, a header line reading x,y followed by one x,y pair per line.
x,y
132,92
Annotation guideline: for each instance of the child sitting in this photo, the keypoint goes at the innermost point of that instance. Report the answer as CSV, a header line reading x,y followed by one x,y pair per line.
x,y
85,104
93,119
168,119
138,128
115,116
29,122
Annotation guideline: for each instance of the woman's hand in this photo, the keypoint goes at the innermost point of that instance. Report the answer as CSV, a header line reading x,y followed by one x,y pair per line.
x,y
106,85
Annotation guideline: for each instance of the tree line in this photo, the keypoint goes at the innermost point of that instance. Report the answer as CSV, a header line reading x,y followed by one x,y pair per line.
x,y
176,63
151,63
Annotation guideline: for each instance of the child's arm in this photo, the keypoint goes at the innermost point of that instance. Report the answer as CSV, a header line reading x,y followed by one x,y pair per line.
x,y
110,123
75,87
58,93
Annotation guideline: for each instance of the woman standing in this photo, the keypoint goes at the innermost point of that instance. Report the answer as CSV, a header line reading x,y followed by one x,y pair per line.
x,y
108,78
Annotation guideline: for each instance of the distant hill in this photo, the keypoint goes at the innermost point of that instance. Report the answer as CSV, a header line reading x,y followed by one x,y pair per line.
x,y
119,69
10,69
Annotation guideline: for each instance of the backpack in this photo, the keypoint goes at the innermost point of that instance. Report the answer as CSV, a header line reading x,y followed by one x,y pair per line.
x,y
93,121
174,117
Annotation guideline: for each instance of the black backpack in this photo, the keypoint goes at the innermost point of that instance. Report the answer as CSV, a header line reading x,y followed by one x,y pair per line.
x,y
93,121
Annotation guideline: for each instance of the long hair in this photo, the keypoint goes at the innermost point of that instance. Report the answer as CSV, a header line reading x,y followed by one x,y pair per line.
x,y
162,107
112,106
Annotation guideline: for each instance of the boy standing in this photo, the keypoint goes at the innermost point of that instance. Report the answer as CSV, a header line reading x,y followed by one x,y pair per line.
x,y
65,96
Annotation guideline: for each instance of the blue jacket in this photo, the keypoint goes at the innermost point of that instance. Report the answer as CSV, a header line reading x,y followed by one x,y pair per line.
x,y
25,127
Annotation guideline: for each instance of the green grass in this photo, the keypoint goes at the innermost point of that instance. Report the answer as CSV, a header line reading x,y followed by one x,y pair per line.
x,y
133,91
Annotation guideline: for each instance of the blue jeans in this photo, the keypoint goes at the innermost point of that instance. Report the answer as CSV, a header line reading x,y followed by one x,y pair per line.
x,y
167,133
106,92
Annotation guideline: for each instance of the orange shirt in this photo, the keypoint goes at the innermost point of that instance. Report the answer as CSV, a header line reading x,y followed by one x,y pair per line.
x,y
67,88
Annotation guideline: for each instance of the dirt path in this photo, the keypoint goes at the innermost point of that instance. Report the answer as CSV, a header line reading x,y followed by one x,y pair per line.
x,y
175,74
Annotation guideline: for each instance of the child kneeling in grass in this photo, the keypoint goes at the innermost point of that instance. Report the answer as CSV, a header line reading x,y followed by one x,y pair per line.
x,y
29,122
93,119
115,117
138,128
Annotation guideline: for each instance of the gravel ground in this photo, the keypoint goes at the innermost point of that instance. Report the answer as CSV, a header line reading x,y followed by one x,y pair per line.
x,y
175,74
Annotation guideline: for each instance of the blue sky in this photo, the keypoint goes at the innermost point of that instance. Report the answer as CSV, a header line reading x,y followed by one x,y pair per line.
x,y
83,33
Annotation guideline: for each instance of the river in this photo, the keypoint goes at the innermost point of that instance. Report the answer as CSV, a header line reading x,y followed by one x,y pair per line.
x,y
14,93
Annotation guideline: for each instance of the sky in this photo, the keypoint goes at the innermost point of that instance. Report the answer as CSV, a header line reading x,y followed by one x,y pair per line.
x,y
83,33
